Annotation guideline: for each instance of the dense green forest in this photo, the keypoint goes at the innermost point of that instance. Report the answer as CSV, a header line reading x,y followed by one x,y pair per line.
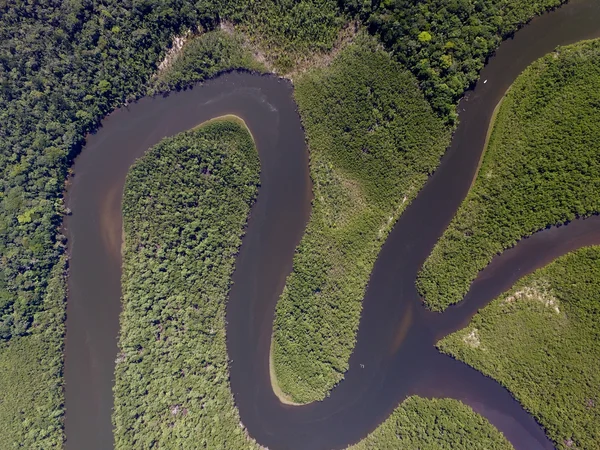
x,y
184,208
63,66
203,57
445,42
541,168
31,396
540,340
66,64
434,424
172,388
373,140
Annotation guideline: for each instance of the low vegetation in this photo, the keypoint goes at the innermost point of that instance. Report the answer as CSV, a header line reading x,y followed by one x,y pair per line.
x,y
184,208
540,340
445,43
373,141
434,424
541,168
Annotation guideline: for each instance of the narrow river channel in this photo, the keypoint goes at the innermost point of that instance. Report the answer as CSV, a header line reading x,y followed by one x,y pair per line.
x,y
396,338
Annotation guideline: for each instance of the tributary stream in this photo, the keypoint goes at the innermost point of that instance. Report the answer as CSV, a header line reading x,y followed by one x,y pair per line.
x,y
395,355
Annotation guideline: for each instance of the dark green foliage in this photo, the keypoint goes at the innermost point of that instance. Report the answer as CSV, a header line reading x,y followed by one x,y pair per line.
x,y
540,340
541,168
373,140
184,208
445,42
434,424
204,57
31,389
63,66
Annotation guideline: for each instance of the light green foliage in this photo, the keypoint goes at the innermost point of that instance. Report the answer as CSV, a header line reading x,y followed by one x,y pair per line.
x,y
373,140
204,57
184,208
434,424
540,340
541,167
445,42
31,397
288,30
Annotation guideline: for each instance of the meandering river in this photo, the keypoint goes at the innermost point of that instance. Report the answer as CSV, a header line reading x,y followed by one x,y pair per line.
x,y
395,355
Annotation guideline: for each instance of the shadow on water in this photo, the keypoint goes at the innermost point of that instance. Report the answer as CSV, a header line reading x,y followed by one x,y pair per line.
x,y
394,356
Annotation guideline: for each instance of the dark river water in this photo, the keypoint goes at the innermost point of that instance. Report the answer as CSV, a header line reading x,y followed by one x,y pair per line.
x,y
396,337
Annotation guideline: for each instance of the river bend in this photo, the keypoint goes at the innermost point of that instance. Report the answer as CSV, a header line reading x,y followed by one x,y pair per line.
x,y
396,337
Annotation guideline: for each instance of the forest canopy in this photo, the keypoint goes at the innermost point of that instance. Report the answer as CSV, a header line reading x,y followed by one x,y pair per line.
x,y
540,340
541,168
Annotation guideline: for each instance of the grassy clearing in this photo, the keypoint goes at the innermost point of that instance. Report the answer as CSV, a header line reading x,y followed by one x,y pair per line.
x,y
541,168
434,424
540,340
184,208
373,140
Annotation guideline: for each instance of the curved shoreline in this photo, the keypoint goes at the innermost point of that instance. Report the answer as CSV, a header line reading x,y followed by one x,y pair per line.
x,y
379,376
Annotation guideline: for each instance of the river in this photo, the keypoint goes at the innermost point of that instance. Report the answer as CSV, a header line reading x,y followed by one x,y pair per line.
x,y
395,355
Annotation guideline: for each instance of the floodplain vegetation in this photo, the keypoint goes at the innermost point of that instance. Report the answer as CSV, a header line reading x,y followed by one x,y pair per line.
x,y
434,424
540,340
184,207
181,238
541,168
65,65
373,141
204,57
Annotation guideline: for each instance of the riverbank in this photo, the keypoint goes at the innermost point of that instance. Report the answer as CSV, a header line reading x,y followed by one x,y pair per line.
x,y
373,139
539,340
185,205
540,169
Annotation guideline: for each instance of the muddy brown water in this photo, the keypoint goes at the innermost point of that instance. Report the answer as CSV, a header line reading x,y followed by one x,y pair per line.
x,y
394,356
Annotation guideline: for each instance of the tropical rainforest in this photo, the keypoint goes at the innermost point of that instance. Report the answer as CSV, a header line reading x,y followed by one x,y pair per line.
x,y
540,340
373,140
541,168
181,238
64,65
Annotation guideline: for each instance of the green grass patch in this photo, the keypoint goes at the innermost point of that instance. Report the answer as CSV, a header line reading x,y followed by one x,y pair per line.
x,y
540,168
540,340
434,424
373,140
185,204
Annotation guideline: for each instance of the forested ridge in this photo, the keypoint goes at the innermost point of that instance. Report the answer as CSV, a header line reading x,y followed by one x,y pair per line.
x,y
540,340
541,168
